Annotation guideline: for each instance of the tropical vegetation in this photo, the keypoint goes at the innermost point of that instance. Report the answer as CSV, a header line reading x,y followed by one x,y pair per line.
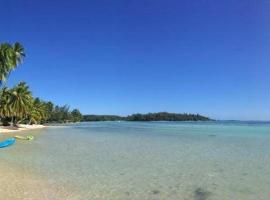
x,y
10,57
87,118
160,116
17,104
165,116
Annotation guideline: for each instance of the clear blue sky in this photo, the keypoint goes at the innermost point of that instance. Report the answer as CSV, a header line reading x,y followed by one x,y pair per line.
x,y
120,57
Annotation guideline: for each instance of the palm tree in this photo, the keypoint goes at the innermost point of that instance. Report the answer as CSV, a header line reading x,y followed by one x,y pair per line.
x,y
19,54
38,111
20,101
10,57
5,109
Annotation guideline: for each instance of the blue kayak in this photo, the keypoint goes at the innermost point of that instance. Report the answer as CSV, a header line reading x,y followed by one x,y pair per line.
x,y
7,142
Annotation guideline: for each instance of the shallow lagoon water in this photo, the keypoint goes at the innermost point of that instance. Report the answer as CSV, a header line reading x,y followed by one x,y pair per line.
x,y
150,160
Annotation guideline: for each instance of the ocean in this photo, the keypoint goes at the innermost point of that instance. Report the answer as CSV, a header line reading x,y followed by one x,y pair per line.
x,y
148,160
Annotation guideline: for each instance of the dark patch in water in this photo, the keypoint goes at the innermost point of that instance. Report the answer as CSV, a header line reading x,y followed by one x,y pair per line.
x,y
212,135
155,191
201,194
127,193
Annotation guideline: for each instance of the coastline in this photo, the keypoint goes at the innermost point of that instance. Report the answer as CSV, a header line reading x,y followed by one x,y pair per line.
x,y
176,155
21,127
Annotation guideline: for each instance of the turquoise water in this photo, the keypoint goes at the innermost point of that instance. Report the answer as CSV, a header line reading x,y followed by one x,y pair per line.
x,y
151,160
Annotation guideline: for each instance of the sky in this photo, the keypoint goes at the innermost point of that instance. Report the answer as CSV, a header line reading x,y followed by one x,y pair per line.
x,y
122,57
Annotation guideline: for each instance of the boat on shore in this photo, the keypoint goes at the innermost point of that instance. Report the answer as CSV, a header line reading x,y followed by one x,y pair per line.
x,y
7,142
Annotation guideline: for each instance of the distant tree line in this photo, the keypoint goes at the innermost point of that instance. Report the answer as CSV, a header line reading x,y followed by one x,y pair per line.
x,y
160,116
62,114
165,116
102,118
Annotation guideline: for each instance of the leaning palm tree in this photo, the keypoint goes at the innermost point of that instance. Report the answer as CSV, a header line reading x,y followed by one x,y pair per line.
x,y
20,101
10,57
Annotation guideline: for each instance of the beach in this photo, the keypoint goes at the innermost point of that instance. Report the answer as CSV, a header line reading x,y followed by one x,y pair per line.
x,y
135,100
140,160
19,182
21,127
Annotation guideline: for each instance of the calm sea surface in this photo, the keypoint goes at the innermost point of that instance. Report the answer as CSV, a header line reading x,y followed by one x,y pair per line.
x,y
151,160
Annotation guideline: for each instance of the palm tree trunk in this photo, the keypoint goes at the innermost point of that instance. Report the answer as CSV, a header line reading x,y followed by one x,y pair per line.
x,y
12,123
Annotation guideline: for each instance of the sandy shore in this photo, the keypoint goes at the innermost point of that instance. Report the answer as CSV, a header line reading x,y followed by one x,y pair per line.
x,y
19,184
21,127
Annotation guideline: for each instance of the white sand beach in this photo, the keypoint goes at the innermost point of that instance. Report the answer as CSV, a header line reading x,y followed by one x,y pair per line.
x,y
21,127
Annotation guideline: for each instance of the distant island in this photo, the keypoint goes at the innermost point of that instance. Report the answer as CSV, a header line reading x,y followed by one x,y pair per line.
x,y
159,116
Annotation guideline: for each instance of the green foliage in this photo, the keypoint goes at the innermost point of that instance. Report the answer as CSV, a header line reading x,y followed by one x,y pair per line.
x,y
160,116
17,104
37,112
102,118
10,57
76,115
5,109
165,116
62,114
20,100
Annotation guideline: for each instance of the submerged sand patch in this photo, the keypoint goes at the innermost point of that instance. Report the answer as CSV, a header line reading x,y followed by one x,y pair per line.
x,y
17,184
22,182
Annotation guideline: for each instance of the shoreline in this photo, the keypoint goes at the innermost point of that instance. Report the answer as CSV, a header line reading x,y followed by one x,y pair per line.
x,y
21,127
